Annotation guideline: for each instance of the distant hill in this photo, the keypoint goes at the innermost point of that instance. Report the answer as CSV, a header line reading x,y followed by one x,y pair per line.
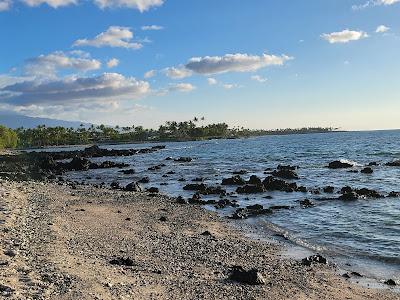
x,y
15,121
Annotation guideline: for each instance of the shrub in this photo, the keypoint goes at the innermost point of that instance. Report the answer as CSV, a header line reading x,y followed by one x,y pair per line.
x,y
8,138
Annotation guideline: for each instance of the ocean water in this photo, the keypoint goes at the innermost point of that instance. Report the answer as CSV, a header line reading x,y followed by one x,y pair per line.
x,y
363,235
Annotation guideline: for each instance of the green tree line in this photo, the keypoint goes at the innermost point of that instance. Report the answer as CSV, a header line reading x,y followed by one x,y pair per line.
x,y
195,129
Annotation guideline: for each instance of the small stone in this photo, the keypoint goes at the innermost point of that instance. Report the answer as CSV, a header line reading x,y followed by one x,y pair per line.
x,y
10,253
252,277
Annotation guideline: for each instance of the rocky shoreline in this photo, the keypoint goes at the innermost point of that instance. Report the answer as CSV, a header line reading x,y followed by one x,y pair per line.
x,y
65,240
60,242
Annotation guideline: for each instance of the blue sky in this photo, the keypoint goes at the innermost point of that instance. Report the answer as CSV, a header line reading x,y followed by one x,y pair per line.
x,y
256,63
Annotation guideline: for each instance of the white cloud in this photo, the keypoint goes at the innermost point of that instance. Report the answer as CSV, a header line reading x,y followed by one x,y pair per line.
x,y
182,87
382,29
5,5
105,87
51,3
49,65
258,78
211,65
6,79
212,81
372,3
141,5
114,36
228,86
344,36
150,74
112,63
177,72
152,27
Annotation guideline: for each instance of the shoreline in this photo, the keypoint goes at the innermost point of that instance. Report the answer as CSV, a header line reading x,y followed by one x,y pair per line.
x,y
64,238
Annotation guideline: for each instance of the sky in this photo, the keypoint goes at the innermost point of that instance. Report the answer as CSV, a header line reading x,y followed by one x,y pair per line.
x,y
261,64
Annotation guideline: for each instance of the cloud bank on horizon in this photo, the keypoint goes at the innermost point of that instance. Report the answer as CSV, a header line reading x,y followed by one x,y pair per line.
x,y
74,72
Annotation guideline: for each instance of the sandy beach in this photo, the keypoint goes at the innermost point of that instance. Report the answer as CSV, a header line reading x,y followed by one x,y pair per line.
x,y
59,242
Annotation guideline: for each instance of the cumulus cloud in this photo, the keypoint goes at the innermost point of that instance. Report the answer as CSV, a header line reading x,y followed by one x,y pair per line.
x,y
150,74
182,87
152,27
105,87
212,65
112,63
51,3
382,29
372,3
141,5
48,65
258,78
344,36
114,36
5,5
212,81
177,72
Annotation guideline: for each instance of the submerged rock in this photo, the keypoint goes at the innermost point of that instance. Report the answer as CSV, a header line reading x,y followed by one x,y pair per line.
x,y
394,194
337,164
273,184
195,187
287,167
285,174
349,194
367,170
306,203
144,180
250,211
235,180
395,163
127,172
329,189
133,187
239,172
78,164
251,189
115,185
252,277
153,190
225,203
180,200
183,159
254,180
367,193
279,207
390,282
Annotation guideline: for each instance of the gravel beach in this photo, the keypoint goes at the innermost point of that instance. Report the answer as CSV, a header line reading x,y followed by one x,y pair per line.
x,y
62,242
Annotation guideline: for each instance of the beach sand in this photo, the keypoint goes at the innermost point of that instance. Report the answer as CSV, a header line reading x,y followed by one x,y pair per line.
x,y
57,243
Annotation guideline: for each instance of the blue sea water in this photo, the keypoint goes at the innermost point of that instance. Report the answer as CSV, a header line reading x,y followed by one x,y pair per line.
x,y
363,234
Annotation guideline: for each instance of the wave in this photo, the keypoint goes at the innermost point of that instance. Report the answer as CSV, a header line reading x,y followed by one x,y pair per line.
x,y
352,162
